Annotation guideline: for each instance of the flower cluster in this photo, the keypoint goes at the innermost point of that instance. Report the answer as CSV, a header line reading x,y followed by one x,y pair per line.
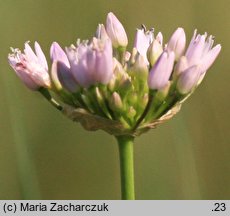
x,y
103,86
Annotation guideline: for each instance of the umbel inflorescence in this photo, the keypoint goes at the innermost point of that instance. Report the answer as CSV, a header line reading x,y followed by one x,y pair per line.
x,y
100,84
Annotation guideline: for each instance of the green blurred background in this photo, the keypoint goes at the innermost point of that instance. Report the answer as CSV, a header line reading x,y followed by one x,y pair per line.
x,y
186,158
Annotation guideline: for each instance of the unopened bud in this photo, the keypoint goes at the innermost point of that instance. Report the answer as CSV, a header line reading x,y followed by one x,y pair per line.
x,y
161,71
177,43
101,102
133,55
112,83
125,84
118,70
144,101
140,67
154,51
131,112
116,31
115,102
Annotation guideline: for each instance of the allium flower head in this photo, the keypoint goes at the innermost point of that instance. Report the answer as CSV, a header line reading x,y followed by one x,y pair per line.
x,y
103,86
31,67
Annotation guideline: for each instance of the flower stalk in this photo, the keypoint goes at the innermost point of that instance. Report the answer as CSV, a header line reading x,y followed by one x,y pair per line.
x,y
47,95
147,108
125,144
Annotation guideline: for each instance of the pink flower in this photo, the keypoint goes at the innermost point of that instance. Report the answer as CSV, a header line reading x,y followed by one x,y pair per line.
x,y
142,42
58,54
161,71
177,43
198,59
31,67
60,71
91,63
200,51
116,31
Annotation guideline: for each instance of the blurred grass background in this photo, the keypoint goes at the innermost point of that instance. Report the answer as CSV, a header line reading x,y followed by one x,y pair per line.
x,y
185,158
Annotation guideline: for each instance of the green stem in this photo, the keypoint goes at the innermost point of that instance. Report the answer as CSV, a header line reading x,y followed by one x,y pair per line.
x,y
47,95
125,144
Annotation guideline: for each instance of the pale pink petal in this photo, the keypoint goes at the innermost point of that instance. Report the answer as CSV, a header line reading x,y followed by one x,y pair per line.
x,y
40,55
58,54
210,57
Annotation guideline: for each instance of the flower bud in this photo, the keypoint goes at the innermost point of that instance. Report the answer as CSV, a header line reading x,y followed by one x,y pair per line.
x,y
154,51
161,71
188,79
143,101
112,84
101,102
131,112
140,68
116,31
61,76
119,77
177,43
133,55
115,102
139,73
125,84
60,71
118,70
